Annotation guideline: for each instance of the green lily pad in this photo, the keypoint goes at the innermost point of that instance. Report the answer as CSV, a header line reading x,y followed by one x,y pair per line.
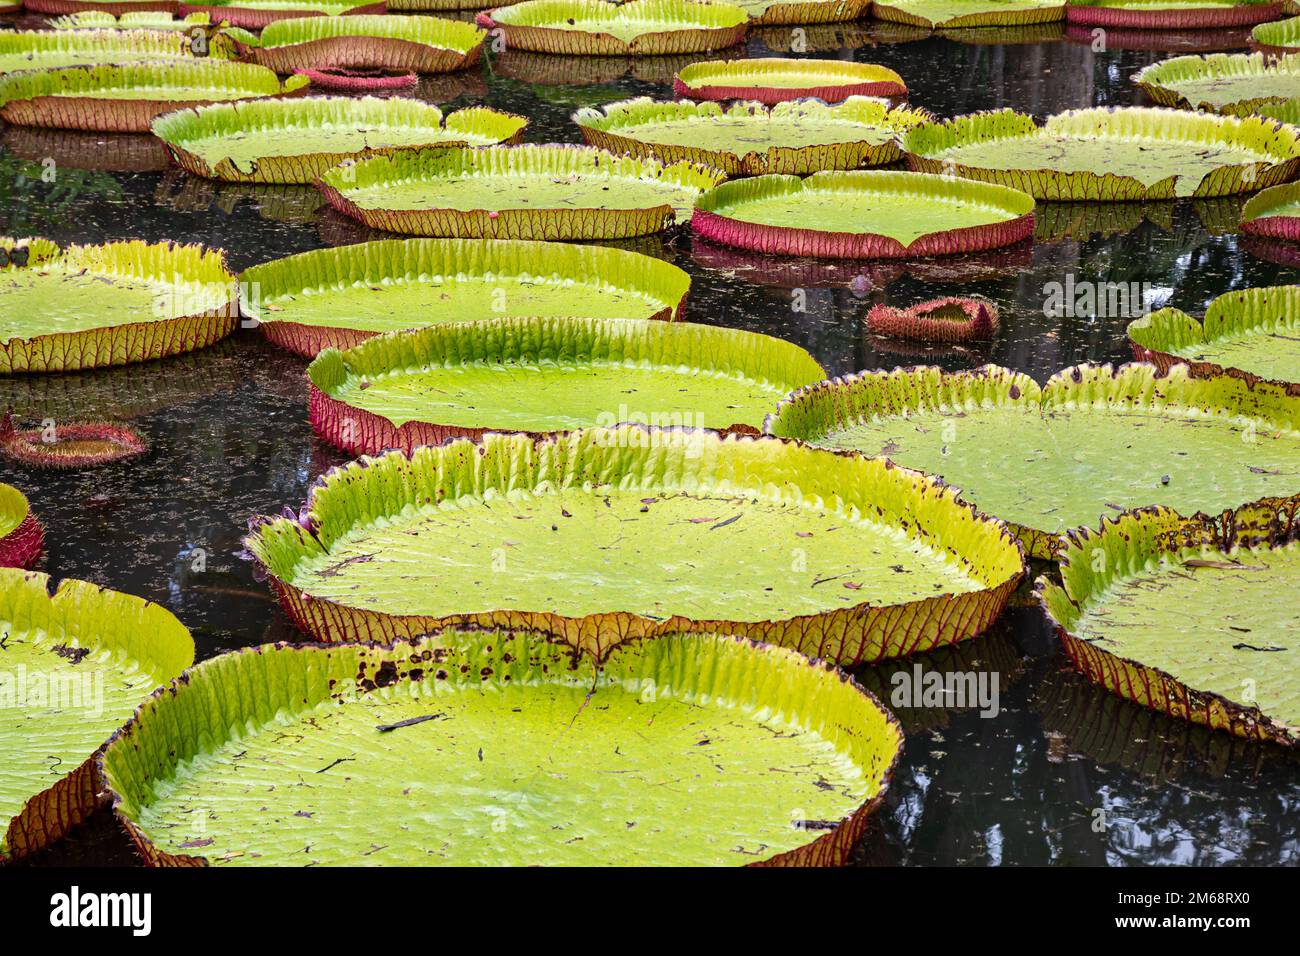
x,y
866,214
374,42
1235,83
256,14
21,536
609,534
136,20
750,139
790,12
596,27
1252,332
774,80
1171,14
47,49
296,140
548,375
956,14
1126,153
125,99
73,667
1093,441
520,192
337,298
1280,36
1141,610
91,306
498,749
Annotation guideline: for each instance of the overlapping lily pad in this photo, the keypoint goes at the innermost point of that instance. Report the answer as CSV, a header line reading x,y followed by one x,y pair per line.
x,y
790,12
399,44
256,14
54,8
91,306
1274,213
774,80
866,214
530,375
1254,333
750,139
75,665
596,27
338,298
1195,617
964,14
454,759
838,556
125,99
296,140
1281,37
21,537
1092,441
1126,153
48,49
1234,83
519,192
950,319
146,20
1171,14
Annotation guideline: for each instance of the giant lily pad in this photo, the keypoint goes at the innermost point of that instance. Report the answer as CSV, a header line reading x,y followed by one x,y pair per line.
x,y
91,306
296,140
46,49
518,192
1195,617
1235,83
750,139
1110,154
399,44
340,297
146,20
864,215
1092,441
775,79
1274,213
596,27
125,99
463,379
1280,37
497,748
21,536
1252,332
609,534
962,14
789,12
438,6
54,8
73,667
1171,14
256,14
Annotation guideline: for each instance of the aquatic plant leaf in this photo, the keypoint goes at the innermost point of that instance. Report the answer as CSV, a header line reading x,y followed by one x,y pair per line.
x,y
965,14
1273,213
1092,441
297,140
45,49
863,214
73,667
834,555
1127,153
1233,83
1253,333
340,297
21,537
750,139
548,375
256,14
950,319
1280,37
595,27
774,80
1171,14
1195,617
791,12
92,306
498,748
397,43
520,192
140,20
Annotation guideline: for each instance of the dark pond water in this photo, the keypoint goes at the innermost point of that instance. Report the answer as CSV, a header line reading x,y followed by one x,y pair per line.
x,y
1062,774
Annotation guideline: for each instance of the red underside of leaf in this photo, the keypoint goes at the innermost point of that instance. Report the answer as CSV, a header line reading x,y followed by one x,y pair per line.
x,y
354,81
918,321
22,547
28,446
1186,19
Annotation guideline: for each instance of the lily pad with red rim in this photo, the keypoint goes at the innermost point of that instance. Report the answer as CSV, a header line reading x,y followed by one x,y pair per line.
x,y
596,27
75,666
50,49
888,562
340,297
1233,83
1171,14
400,44
517,192
1093,441
950,319
141,20
864,214
1194,617
1273,213
21,537
54,8
256,14
966,14
774,80
72,445
750,139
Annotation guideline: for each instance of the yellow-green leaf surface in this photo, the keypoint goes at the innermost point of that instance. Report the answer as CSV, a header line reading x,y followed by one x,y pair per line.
x,y
1125,153
178,79
1196,617
1092,442
498,749
542,375
1256,331
138,20
73,668
1279,33
969,13
780,73
49,49
1222,82
624,21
